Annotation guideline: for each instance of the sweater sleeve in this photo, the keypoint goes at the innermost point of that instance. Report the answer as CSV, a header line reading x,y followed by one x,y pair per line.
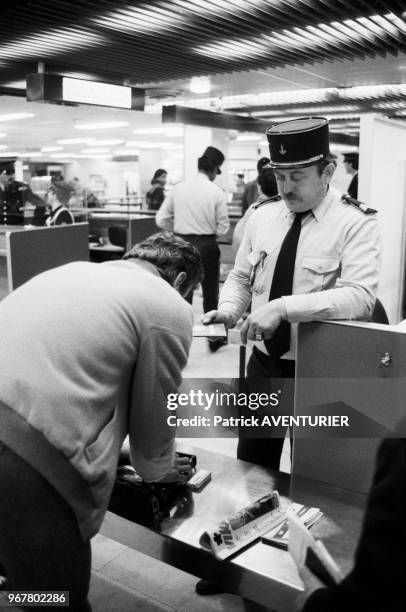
x,y
162,356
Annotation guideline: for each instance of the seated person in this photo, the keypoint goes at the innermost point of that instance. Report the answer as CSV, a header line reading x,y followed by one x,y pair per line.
x,y
60,214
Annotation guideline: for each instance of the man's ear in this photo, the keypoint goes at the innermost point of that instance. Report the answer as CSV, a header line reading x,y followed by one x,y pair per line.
x,y
179,280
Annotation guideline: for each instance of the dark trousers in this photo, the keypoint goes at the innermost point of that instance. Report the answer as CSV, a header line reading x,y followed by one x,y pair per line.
x,y
210,256
41,548
268,375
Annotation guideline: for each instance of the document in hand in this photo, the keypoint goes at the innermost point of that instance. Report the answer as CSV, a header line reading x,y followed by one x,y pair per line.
x,y
213,330
309,552
279,535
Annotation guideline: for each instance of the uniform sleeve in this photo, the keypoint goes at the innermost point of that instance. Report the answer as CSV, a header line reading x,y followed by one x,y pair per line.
x,y
222,221
162,356
353,296
377,581
236,293
32,197
165,215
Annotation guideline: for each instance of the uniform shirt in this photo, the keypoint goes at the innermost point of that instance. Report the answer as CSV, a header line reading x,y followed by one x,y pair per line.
x,y
336,269
195,206
88,353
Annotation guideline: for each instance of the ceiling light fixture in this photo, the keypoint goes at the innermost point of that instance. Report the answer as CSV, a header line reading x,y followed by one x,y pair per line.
x,y
50,149
67,141
16,116
200,85
107,125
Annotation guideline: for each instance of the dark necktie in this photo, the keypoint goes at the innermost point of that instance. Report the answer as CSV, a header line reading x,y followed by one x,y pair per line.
x,y
282,283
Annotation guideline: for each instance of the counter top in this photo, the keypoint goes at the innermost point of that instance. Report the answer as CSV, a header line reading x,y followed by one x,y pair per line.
x,y
261,572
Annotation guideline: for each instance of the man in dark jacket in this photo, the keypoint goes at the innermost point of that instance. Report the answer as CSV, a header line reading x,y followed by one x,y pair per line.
x,y
13,197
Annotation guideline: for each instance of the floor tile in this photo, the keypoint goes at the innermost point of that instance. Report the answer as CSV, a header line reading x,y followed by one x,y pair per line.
x,y
151,577
104,550
106,595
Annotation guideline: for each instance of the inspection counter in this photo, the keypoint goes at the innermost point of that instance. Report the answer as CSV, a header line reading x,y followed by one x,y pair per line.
x,y
261,573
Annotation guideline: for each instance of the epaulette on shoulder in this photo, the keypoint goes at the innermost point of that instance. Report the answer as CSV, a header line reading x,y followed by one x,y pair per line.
x,y
360,205
276,198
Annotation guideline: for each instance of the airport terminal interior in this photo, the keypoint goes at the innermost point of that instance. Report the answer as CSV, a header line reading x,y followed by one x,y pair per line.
x,y
106,108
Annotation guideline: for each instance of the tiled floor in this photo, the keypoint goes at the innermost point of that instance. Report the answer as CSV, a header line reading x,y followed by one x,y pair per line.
x,y
127,581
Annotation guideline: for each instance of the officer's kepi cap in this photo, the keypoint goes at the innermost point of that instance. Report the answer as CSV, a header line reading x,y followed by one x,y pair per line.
x,y
298,143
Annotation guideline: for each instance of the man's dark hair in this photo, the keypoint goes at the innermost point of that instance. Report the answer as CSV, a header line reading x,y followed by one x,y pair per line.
x,y
267,182
352,159
323,163
263,161
171,255
205,164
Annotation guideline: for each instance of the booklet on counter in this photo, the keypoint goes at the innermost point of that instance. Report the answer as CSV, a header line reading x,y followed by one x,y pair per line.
x,y
309,552
279,535
213,330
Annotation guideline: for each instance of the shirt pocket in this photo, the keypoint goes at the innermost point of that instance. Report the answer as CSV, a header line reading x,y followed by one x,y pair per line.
x,y
319,272
258,277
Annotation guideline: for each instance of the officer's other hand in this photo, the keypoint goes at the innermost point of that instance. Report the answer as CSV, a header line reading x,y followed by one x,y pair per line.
x,y
217,316
261,324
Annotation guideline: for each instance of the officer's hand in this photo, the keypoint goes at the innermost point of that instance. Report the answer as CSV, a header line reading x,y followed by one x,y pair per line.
x,y
217,316
261,323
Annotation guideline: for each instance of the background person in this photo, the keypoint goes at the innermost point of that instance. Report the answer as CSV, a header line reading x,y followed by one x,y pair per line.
x,y
268,193
156,194
13,197
60,214
109,343
251,192
311,257
196,210
351,161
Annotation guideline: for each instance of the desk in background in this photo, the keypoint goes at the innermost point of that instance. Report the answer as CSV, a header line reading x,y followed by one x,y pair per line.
x,y
25,252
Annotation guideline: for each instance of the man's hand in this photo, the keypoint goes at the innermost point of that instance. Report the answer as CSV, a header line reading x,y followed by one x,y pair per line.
x,y
180,471
217,316
262,323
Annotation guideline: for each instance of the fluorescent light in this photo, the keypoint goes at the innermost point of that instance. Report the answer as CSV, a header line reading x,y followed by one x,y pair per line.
x,y
91,92
90,151
25,167
10,154
139,20
16,84
31,154
101,126
66,141
200,85
47,43
50,149
101,143
126,152
3,146
61,155
16,116
247,136
3,135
